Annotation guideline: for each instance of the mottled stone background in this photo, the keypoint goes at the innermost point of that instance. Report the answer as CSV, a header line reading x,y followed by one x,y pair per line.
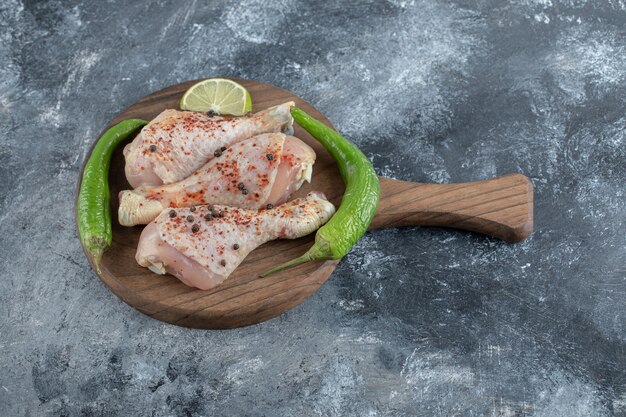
x,y
414,321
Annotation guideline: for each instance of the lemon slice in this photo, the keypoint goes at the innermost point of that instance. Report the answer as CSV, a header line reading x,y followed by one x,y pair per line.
x,y
218,95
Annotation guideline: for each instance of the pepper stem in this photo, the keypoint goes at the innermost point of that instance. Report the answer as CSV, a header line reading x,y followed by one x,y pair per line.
x,y
318,252
96,247
289,264
97,257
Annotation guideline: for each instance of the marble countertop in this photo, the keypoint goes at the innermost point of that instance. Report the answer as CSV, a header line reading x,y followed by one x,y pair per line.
x,y
426,322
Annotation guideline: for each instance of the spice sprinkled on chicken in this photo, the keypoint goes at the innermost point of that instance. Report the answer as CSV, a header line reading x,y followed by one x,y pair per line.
x,y
243,176
177,143
204,253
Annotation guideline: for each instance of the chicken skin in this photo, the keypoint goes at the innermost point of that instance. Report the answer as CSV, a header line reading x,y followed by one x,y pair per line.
x,y
203,246
177,143
262,170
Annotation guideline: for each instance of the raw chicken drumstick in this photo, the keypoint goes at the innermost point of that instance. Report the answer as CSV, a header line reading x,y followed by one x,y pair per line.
x,y
203,247
176,143
262,170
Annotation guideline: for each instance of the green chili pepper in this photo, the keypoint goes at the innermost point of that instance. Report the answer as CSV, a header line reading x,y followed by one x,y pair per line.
x,y
93,212
359,202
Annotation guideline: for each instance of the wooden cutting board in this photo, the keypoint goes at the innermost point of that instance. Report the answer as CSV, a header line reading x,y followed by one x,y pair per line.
x,y
501,207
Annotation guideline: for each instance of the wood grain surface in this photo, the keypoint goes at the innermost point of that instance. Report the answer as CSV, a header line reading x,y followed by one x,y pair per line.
x,y
501,207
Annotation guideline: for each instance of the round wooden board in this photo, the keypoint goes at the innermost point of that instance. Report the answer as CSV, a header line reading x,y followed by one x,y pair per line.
x,y
243,298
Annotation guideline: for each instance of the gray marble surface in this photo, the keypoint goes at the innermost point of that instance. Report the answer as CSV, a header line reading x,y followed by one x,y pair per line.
x,y
414,321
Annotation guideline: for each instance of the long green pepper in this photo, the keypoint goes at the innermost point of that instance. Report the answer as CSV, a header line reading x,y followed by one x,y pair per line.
x,y
358,205
93,211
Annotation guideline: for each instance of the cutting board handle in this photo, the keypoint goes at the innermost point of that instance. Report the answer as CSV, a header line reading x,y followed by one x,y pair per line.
x,y
501,207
